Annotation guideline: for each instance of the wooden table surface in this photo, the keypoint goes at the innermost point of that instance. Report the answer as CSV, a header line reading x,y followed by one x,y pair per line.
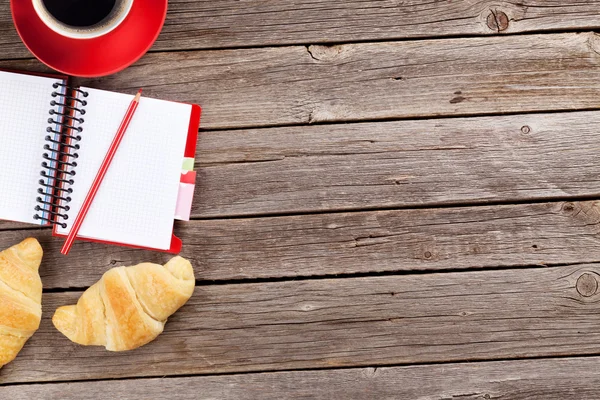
x,y
395,200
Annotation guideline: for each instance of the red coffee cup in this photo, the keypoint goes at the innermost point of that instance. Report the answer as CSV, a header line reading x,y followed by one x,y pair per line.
x,y
111,45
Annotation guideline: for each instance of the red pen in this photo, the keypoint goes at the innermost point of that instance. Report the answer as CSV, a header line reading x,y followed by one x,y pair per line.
x,y
101,174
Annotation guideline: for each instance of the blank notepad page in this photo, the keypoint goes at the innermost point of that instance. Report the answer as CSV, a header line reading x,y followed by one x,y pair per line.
x,y
136,201
25,104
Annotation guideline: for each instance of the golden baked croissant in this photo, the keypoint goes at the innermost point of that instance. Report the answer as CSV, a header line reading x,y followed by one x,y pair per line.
x,y
20,297
129,306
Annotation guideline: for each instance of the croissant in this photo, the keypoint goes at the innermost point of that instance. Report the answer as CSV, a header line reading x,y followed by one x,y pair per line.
x,y
129,306
20,297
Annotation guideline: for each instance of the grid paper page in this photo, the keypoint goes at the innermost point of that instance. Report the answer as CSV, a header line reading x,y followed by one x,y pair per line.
x,y
136,202
23,121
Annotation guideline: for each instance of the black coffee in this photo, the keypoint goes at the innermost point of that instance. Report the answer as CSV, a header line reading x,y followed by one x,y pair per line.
x,y
80,13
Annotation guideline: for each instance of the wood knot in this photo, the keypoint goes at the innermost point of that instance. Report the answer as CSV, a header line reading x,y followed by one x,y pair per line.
x,y
428,255
497,21
568,207
525,129
587,284
325,53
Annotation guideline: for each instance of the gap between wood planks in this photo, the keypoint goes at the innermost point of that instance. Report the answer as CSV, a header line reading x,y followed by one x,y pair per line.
x,y
374,367
17,226
302,278
532,379
340,43
404,119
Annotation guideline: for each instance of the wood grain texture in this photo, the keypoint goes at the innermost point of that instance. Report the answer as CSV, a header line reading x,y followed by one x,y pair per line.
x,y
329,323
397,164
553,379
231,23
299,85
10,43
365,242
354,82
202,24
342,322
345,167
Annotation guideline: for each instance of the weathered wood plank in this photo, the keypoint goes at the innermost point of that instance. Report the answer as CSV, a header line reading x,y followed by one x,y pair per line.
x,y
296,85
231,23
206,24
553,379
329,244
397,164
343,322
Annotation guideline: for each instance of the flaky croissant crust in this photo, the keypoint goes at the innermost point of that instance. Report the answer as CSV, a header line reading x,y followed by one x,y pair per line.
x,y
20,297
129,306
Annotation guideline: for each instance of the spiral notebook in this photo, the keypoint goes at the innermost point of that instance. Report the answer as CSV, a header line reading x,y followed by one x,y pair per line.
x,y
54,138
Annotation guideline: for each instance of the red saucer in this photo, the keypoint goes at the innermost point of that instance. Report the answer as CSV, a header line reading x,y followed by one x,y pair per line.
x,y
100,56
